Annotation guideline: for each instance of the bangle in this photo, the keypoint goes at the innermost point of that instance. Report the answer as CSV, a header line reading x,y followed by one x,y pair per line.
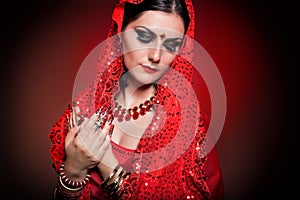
x,y
68,183
54,194
63,192
68,188
122,186
117,190
110,176
117,182
114,189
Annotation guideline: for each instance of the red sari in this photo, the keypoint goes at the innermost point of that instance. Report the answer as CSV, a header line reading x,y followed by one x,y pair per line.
x,y
182,170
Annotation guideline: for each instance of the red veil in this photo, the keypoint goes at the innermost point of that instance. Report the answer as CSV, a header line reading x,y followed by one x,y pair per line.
x,y
169,162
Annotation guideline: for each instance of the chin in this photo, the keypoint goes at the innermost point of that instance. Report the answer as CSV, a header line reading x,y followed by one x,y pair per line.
x,y
145,78
146,81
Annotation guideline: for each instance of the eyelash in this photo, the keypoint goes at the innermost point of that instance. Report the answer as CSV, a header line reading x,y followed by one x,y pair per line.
x,y
142,37
171,48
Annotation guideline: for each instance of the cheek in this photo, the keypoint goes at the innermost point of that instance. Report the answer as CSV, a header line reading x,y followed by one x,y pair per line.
x,y
130,42
168,59
133,59
165,69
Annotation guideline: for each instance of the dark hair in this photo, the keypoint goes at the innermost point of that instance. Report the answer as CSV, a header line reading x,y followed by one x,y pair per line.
x,y
134,11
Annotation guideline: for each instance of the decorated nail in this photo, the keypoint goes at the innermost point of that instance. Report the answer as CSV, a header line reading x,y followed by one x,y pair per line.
x,y
110,119
111,129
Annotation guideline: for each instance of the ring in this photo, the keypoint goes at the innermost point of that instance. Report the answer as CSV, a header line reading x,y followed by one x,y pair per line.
x,y
98,124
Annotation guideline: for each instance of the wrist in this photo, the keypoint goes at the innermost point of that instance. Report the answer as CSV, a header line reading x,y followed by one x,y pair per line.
x,y
106,170
70,183
107,164
73,172
67,188
113,184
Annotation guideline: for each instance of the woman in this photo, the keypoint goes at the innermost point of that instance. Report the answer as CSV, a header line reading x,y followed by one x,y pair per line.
x,y
136,132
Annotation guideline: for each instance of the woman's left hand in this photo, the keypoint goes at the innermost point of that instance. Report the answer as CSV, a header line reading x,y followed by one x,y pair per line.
x,y
108,161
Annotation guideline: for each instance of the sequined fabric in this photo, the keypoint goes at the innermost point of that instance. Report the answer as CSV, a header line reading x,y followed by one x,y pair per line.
x,y
185,177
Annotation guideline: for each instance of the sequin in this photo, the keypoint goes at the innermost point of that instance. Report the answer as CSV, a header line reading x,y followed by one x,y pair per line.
x,y
174,181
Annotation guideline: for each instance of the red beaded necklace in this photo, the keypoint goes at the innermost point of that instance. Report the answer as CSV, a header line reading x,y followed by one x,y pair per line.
x,y
133,113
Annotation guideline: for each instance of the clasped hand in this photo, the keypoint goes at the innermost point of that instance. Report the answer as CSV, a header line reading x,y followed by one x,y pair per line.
x,y
87,143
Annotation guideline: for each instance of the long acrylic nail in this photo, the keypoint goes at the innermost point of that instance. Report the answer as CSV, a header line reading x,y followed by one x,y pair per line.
x,y
99,111
104,121
110,119
81,119
111,129
104,113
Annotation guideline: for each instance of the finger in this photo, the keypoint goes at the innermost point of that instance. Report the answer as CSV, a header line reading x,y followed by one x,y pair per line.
x,y
73,116
107,124
70,136
101,151
110,119
68,122
83,123
79,116
97,121
94,133
104,117
88,126
105,130
97,143
102,133
95,138
70,119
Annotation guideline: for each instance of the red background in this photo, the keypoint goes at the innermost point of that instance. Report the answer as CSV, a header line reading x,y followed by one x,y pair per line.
x,y
44,44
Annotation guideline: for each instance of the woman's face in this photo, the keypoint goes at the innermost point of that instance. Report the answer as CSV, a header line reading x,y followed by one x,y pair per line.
x,y
150,44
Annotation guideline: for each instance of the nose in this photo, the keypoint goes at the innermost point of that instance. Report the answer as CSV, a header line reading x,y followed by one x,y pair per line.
x,y
154,55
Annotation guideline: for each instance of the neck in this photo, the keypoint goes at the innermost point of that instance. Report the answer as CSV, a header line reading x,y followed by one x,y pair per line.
x,y
134,93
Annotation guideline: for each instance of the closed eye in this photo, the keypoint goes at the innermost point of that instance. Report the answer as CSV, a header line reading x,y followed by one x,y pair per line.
x,y
144,35
173,44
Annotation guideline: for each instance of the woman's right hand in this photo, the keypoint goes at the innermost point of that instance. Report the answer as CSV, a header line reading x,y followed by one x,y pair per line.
x,y
85,145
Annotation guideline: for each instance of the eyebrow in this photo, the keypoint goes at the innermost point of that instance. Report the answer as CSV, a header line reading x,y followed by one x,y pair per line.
x,y
151,32
174,39
155,36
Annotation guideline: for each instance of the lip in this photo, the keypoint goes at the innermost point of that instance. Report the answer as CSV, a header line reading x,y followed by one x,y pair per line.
x,y
148,69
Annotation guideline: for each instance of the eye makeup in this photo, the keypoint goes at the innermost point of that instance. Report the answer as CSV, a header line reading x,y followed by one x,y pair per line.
x,y
172,44
145,36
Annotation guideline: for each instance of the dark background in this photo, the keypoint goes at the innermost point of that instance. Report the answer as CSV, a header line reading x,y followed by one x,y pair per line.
x,y
252,42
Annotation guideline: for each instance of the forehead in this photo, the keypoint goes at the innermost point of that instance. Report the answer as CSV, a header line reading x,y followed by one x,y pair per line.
x,y
158,20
